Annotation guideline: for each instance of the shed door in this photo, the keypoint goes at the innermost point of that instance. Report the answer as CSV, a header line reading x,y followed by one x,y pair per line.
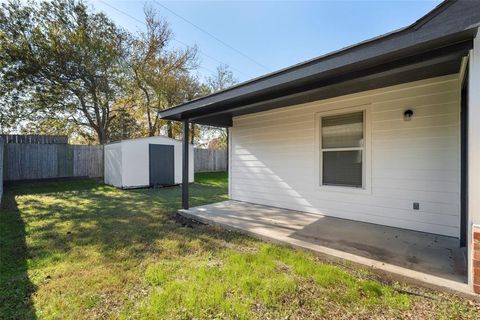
x,y
161,164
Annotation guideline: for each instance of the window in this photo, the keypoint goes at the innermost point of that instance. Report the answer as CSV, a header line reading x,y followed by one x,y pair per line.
x,y
342,150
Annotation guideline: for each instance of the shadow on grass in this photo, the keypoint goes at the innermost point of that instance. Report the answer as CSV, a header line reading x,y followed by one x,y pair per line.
x,y
109,218
42,187
16,289
94,244
66,221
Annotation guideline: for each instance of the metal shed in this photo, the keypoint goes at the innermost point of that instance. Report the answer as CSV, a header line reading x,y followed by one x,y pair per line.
x,y
145,162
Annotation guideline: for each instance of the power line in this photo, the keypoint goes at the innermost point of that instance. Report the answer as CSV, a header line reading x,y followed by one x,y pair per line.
x,y
211,35
141,22
176,40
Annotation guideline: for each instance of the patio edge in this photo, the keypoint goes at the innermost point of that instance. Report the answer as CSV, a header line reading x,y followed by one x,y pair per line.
x,y
389,270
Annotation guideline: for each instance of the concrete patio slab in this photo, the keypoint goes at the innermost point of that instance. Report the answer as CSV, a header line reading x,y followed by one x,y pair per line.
x,y
435,261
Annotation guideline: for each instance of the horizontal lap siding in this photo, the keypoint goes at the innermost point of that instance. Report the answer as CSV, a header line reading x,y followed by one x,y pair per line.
x,y
273,158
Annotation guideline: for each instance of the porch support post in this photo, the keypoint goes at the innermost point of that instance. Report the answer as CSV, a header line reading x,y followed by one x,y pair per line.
x,y
473,218
185,165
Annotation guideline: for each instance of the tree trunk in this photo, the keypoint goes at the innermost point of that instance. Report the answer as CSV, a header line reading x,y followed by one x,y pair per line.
x,y
151,127
102,135
192,136
169,129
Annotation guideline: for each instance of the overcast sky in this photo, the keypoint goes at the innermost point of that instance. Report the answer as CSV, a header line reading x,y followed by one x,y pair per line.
x,y
263,36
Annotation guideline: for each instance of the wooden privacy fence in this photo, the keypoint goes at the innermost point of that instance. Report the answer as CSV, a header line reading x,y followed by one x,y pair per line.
x,y
25,161
210,160
46,161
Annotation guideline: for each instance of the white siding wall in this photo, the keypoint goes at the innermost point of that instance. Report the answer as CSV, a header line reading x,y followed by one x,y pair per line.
x,y
135,160
127,162
474,133
473,149
113,164
136,164
273,158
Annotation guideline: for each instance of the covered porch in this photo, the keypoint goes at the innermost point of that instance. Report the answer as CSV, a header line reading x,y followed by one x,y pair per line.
x,y
422,174
433,260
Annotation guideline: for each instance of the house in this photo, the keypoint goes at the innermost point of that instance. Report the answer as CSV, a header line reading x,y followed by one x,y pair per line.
x,y
384,132
145,162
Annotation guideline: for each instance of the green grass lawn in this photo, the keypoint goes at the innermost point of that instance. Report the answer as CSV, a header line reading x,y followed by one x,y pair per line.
x,y
82,250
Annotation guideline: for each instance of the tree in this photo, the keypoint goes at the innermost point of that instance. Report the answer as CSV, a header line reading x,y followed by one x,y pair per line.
x,y
221,80
183,88
123,126
9,115
61,60
52,126
161,76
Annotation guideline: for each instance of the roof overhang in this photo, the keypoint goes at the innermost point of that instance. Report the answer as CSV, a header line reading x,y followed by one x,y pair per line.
x,y
433,46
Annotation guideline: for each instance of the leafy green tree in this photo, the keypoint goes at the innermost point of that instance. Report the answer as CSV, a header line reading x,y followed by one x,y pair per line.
x,y
123,126
222,79
183,88
9,115
161,75
60,59
49,126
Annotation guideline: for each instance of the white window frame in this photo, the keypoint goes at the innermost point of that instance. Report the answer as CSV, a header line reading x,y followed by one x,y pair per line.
x,y
366,154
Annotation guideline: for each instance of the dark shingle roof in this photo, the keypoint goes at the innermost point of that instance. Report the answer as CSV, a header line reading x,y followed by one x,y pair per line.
x,y
446,32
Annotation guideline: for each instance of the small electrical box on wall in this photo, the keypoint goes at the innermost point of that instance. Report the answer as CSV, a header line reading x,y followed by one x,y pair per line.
x,y
416,206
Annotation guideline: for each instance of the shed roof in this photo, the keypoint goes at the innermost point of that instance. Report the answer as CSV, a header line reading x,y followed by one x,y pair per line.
x,y
160,137
432,46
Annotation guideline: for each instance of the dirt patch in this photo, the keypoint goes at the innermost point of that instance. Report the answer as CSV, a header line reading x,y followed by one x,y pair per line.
x,y
186,222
